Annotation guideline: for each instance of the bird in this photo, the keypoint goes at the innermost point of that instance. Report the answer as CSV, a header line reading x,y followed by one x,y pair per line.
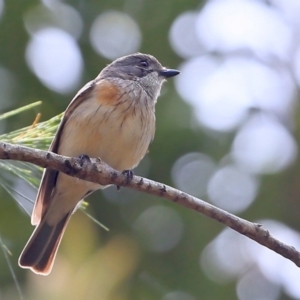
x,y
112,117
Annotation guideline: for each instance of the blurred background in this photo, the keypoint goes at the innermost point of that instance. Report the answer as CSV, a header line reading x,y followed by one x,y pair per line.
x,y
227,132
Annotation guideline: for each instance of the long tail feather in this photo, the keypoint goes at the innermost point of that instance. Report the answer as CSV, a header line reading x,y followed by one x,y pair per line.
x,y
40,251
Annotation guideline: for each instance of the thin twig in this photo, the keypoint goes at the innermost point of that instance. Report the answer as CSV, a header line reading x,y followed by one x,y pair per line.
x,y
99,172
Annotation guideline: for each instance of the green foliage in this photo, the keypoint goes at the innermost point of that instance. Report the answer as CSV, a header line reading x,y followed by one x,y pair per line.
x,y
38,136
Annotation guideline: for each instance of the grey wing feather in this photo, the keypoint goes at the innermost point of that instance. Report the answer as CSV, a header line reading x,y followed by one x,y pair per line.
x,y
48,181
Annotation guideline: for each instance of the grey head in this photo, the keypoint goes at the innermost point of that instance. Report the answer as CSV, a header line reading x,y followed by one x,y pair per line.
x,y
144,69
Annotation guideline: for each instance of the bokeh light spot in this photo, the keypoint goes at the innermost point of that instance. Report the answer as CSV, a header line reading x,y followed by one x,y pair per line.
x,y
274,267
160,227
232,256
263,145
229,25
232,189
53,14
223,92
264,289
225,257
55,58
191,173
114,34
185,45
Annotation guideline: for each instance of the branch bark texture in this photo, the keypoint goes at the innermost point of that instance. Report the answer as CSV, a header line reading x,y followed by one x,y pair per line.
x,y
99,172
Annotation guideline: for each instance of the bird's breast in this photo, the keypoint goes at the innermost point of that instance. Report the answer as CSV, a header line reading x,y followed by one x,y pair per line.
x,y
116,125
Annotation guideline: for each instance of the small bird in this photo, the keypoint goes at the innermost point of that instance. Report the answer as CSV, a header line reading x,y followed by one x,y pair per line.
x,y
112,117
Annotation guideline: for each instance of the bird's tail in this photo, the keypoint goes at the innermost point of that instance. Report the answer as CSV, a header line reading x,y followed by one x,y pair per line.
x,y
40,250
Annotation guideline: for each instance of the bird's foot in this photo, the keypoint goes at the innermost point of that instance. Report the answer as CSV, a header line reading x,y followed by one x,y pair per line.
x,y
84,158
128,174
129,177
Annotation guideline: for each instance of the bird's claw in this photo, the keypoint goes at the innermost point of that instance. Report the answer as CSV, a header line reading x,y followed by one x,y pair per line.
x,y
84,158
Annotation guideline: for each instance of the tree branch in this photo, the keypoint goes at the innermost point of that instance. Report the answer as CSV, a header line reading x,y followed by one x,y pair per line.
x,y
99,172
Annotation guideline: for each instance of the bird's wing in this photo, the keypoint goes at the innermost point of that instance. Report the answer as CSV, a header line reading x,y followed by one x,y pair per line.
x,y
48,181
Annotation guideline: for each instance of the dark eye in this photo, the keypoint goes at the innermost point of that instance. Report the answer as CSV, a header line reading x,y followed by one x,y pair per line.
x,y
144,64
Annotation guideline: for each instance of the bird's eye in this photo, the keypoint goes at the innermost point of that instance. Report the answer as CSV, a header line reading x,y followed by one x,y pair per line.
x,y
144,64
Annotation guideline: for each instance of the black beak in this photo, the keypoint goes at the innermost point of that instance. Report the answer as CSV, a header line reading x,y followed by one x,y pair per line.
x,y
167,73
